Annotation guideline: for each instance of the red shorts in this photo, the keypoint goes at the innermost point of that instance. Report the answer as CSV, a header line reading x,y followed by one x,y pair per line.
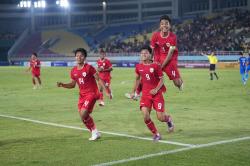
x,y
87,102
172,71
157,101
106,81
36,74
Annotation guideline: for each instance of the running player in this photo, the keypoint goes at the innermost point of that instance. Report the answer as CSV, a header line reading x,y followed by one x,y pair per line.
x,y
85,76
243,67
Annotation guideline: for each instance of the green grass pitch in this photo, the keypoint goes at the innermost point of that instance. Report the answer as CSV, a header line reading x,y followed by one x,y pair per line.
x,y
205,112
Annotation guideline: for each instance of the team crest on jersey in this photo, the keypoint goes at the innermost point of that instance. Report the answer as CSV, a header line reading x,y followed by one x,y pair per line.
x,y
151,70
84,74
168,44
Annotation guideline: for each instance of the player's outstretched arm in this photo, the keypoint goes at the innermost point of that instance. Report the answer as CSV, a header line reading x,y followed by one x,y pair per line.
x,y
70,85
169,56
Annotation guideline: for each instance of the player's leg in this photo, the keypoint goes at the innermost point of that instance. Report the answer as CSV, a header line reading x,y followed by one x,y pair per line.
x,y
86,106
101,103
246,75
39,81
242,73
107,88
150,124
159,106
34,81
173,73
215,73
145,106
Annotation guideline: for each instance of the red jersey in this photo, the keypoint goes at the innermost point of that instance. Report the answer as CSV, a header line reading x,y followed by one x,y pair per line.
x,y
161,46
85,79
105,64
150,77
35,65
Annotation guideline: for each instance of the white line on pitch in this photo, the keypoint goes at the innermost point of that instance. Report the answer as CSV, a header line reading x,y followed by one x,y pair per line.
x,y
171,151
105,132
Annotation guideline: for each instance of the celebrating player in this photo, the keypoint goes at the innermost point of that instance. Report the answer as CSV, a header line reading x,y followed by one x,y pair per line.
x,y
85,76
151,76
104,67
35,66
164,45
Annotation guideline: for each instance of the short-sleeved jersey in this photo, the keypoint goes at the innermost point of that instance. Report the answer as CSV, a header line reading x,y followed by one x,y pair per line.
x,y
35,65
212,59
161,46
243,61
85,79
105,64
150,76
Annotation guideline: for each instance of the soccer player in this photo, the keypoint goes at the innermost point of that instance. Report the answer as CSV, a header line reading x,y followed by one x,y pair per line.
x,y
104,67
164,45
213,61
243,67
151,76
85,76
35,66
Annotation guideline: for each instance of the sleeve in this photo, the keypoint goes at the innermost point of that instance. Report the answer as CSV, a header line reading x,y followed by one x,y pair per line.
x,y
72,75
173,41
109,63
153,40
92,70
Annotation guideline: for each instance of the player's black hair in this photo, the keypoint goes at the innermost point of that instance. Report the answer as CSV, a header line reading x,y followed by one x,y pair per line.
x,y
241,53
82,50
35,54
147,48
165,17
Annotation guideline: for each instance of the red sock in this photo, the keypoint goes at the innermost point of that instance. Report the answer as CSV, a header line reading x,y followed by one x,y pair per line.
x,y
89,123
151,126
101,96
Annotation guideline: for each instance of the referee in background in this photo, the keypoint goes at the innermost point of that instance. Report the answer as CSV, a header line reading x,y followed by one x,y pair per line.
x,y
213,61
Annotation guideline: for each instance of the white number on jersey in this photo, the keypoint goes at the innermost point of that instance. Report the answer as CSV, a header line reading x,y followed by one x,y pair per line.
x,y
81,81
173,73
147,76
159,105
86,103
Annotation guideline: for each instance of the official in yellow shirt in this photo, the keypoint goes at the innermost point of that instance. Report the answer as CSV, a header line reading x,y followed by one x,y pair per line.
x,y
213,61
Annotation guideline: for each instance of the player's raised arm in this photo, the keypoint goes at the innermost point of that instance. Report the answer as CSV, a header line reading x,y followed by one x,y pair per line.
x,y
70,85
169,56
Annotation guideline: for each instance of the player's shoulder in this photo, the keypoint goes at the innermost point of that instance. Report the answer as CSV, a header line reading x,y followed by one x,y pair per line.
x,y
172,34
156,33
74,68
